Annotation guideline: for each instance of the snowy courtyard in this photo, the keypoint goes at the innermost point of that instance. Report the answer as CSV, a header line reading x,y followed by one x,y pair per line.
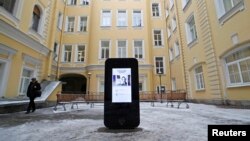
x,y
158,123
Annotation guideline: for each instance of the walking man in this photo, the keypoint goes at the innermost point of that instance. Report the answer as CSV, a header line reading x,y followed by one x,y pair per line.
x,y
34,86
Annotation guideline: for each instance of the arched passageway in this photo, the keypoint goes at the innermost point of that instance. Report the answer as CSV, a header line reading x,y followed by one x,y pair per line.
x,y
74,83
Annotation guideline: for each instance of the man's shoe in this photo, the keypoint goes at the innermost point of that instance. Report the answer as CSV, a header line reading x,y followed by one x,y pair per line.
x,y
27,112
33,110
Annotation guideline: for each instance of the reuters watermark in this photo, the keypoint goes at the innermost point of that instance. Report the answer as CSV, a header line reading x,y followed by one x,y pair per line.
x,y
241,132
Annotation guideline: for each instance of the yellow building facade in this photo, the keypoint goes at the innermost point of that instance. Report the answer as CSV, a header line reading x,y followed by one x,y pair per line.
x,y
197,46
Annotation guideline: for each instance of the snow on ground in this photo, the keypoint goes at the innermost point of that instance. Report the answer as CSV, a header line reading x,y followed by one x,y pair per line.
x,y
159,123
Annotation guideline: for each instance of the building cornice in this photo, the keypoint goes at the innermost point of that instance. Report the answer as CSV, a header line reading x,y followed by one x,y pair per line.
x,y
23,38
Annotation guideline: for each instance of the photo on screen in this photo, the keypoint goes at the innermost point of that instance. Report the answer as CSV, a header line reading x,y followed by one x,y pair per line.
x,y
121,85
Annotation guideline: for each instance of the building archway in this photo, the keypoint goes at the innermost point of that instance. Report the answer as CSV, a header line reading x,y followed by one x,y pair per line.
x,y
74,83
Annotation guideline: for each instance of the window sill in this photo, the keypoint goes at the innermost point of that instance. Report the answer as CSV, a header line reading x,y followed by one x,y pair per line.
x,y
105,27
200,90
36,35
237,8
9,16
137,27
237,85
193,43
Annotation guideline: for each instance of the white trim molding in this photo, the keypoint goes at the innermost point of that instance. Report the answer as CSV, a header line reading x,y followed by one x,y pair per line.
x,y
23,38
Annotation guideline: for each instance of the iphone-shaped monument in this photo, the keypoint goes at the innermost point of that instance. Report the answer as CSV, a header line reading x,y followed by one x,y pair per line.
x,y
121,94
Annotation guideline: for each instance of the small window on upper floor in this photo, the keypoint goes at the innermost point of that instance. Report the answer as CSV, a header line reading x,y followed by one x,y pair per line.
x,y
106,18
36,18
191,33
84,2
155,9
71,2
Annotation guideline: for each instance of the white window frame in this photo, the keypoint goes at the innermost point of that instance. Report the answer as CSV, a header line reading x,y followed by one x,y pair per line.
x,y
56,51
106,18
185,3
169,31
174,85
68,52
60,20
122,18
106,50
77,52
123,49
191,32
171,4
22,86
135,19
157,68
154,13
174,24
82,25
239,73
85,2
71,2
224,15
199,79
163,89
70,26
177,49
157,40
171,54
15,15
137,49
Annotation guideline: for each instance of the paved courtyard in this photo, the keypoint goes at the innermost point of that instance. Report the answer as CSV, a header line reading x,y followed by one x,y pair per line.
x,y
159,123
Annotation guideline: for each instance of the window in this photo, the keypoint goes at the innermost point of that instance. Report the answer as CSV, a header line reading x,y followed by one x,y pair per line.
x,y
169,31
137,18
167,12
80,56
238,67
199,79
106,18
36,18
25,80
191,30
159,65
176,49
82,24
158,38
70,24
184,3
122,49
162,88
84,2
140,86
171,3
8,5
60,20
56,50
66,56
227,8
71,2
171,54
174,24
173,84
101,86
122,18
105,49
138,49
229,4
155,9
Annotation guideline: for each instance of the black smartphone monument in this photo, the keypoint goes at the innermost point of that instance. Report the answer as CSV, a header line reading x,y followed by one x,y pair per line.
x,y
121,98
